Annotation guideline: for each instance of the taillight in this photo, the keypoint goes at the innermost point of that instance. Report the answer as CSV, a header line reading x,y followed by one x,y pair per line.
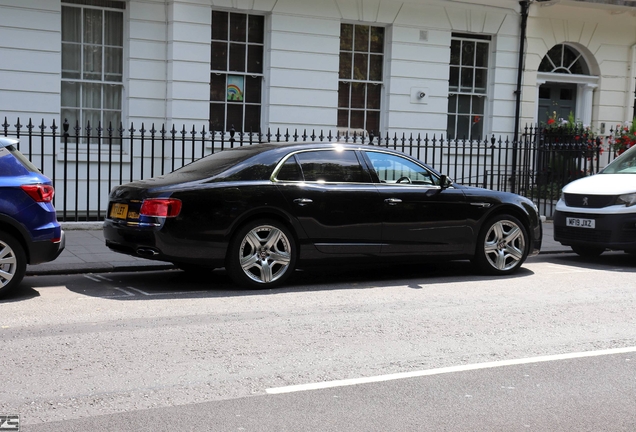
x,y
161,207
39,192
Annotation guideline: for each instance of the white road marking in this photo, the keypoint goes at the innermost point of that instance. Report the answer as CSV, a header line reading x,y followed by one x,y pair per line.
x,y
452,369
127,293
97,277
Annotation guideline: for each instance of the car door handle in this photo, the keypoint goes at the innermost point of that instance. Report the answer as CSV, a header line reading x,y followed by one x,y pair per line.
x,y
392,201
302,201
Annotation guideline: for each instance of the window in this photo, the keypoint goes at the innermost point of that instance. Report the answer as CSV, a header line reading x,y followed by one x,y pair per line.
x,y
236,71
329,166
360,83
564,59
397,170
92,62
468,86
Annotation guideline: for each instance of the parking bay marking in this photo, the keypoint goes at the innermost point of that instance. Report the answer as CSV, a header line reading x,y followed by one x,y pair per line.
x,y
451,369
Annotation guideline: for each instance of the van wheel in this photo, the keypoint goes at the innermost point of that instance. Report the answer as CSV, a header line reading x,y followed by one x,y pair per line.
x,y
502,246
262,254
12,263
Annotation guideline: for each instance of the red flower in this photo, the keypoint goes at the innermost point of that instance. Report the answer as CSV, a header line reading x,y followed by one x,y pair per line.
x,y
551,121
476,119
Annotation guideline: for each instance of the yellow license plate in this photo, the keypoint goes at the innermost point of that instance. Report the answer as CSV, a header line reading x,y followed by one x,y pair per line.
x,y
119,211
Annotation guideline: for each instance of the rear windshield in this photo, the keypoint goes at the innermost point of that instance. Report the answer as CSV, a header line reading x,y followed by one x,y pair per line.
x,y
216,163
19,156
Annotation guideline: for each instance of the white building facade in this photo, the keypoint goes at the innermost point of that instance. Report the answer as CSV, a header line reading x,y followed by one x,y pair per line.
x,y
419,66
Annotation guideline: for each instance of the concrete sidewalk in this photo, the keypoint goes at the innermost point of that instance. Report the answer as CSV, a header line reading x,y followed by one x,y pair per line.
x,y
86,252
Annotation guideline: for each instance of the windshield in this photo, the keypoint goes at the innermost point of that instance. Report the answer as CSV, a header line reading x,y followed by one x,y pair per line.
x,y
624,164
23,159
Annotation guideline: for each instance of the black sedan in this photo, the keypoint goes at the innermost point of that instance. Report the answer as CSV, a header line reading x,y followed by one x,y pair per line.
x,y
261,211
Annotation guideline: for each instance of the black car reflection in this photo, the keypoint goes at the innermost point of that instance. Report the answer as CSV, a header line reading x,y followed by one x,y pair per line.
x,y
261,211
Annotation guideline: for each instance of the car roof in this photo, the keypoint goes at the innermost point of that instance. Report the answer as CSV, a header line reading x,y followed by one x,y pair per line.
x,y
4,141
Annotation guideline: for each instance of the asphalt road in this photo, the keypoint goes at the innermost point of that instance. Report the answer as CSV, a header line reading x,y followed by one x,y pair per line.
x,y
164,351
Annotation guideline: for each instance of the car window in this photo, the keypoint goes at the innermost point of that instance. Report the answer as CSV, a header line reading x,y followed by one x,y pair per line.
x,y
24,161
290,171
333,166
398,170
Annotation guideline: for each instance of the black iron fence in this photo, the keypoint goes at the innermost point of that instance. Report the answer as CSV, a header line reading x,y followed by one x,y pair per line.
x,y
84,163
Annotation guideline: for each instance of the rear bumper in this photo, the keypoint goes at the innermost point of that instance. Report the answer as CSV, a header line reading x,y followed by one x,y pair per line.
x,y
47,250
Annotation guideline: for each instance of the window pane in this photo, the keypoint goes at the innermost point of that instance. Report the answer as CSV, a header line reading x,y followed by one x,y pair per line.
x,y
70,115
373,96
477,128
343,94
114,26
112,96
238,27
219,56
455,52
253,88
375,69
92,117
256,28
71,24
377,39
358,95
361,42
478,105
450,127
454,79
92,62
252,118
346,37
481,59
71,61
219,25
373,121
463,106
111,118
92,26
357,120
237,57
452,103
345,65
290,171
480,80
467,79
91,95
343,118
468,53
70,94
217,117
463,127
234,117
255,58
113,69
360,66
217,87
331,166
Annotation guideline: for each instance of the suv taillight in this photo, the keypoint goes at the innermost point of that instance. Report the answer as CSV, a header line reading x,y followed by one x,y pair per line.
x,y
39,192
161,207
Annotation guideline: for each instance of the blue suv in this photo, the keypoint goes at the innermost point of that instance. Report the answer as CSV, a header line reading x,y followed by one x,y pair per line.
x,y
29,231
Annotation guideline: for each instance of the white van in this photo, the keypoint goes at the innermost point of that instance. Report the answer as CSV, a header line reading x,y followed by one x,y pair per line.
x,y
597,213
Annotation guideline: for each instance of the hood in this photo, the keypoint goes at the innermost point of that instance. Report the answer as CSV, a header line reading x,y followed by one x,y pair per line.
x,y
603,184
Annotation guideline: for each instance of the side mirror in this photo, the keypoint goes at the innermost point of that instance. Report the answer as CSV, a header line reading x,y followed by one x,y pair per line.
x,y
444,182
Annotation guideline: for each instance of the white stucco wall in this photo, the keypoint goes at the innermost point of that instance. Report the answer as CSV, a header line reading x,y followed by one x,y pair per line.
x,y
167,59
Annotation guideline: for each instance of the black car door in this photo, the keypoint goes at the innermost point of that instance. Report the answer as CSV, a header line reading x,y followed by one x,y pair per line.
x,y
419,216
334,199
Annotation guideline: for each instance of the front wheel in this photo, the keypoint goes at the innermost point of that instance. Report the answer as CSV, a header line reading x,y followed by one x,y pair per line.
x,y
502,246
262,254
12,263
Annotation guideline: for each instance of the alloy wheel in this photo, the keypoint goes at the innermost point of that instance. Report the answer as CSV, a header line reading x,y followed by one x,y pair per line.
x,y
504,245
265,254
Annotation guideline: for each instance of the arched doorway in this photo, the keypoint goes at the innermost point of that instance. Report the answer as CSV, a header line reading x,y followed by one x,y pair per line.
x,y
565,85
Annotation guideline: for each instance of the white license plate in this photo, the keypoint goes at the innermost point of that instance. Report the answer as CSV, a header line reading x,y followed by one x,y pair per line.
x,y
580,223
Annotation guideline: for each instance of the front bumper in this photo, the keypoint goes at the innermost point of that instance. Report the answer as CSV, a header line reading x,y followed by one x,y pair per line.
x,y
611,231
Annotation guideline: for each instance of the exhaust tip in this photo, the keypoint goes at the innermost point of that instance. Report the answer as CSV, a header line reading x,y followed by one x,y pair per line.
x,y
147,252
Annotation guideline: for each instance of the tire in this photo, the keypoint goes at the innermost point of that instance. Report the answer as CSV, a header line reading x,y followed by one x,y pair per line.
x,y
588,251
262,254
502,246
12,263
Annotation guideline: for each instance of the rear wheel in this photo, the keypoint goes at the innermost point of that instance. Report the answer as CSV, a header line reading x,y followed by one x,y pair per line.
x,y
262,254
502,245
588,251
12,263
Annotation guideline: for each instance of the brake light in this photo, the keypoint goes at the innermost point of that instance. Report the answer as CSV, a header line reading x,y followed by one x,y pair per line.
x,y
39,192
161,207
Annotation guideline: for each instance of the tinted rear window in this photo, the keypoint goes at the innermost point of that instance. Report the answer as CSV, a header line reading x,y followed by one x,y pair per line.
x,y
14,154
